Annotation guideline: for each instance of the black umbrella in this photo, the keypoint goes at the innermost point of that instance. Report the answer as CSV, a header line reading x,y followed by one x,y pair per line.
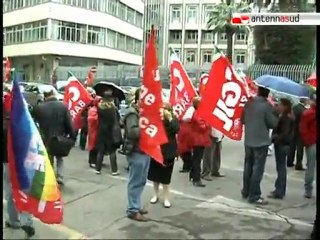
x,y
117,92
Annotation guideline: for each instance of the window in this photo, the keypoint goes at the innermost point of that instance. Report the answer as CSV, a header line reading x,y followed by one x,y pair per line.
x,y
207,11
131,15
93,4
130,44
137,47
83,3
176,14
67,31
223,36
208,36
122,11
240,58
241,36
96,35
190,56
111,38
112,7
121,41
175,36
192,36
207,56
139,19
192,14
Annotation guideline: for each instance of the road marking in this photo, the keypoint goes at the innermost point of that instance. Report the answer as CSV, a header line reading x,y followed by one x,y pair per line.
x,y
289,174
71,233
225,204
233,206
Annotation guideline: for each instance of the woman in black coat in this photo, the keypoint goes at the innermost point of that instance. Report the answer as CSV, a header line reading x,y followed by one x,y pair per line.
x,y
161,174
282,136
109,133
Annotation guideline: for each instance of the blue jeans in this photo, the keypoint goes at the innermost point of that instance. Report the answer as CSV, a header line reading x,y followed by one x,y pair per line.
x,y
281,153
254,162
311,165
25,218
138,164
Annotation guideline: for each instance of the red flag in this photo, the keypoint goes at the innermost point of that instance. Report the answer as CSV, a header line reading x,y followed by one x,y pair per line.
x,y
91,75
182,90
7,69
203,82
223,99
152,132
77,98
312,80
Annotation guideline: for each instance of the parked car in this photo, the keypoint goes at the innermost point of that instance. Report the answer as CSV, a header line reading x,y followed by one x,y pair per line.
x,y
34,92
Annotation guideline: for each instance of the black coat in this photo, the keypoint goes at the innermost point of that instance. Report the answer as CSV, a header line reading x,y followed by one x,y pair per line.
x,y
4,142
53,119
169,150
283,133
108,118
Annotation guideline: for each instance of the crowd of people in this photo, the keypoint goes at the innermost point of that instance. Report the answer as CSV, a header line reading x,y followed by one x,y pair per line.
x,y
191,139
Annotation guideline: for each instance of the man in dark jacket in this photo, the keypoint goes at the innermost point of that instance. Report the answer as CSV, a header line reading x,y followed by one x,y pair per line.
x,y
54,120
138,162
15,220
258,118
296,147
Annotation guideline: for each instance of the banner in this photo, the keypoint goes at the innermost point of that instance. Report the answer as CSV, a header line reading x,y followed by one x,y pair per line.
x,y
76,97
152,132
223,99
182,90
203,82
34,185
91,75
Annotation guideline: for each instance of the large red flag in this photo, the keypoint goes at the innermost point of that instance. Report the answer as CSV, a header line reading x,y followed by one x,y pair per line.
x,y
77,98
152,132
91,75
7,69
181,88
223,99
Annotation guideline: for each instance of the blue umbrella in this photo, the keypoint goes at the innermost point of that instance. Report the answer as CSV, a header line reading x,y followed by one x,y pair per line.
x,y
283,85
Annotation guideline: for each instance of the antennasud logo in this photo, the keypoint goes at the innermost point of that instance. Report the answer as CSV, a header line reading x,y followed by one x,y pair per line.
x,y
240,19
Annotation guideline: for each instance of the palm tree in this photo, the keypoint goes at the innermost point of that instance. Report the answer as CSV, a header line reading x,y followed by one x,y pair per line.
x,y
220,20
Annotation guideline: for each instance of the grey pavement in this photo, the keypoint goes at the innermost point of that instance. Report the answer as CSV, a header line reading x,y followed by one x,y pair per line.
x,y
95,205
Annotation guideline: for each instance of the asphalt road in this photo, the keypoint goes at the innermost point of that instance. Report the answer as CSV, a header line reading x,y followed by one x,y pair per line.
x,y
95,205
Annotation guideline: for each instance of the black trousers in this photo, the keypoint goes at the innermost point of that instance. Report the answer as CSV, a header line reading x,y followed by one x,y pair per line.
x,y
187,161
83,138
113,160
93,154
296,149
195,172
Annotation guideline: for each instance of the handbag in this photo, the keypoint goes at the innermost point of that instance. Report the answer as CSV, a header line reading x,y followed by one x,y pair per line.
x,y
60,146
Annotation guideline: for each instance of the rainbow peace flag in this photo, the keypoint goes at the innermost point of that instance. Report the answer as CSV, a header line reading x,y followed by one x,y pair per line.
x,y
34,186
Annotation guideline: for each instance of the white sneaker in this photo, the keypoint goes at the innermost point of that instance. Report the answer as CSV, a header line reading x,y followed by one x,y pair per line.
x,y
166,204
115,173
154,200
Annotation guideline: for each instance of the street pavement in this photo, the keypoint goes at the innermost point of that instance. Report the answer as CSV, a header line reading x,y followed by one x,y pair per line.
x,y
95,205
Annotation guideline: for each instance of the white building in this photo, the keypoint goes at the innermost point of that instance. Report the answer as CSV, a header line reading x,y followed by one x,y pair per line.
x,y
189,36
40,35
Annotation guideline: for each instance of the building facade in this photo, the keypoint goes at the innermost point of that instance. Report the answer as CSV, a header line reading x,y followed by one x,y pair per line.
x,y
41,35
188,35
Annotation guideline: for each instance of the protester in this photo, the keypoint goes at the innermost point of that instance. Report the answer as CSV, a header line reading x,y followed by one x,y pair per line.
x,y
93,124
201,139
258,118
212,157
308,133
161,174
296,148
15,220
54,120
84,120
138,162
184,140
109,137
281,137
